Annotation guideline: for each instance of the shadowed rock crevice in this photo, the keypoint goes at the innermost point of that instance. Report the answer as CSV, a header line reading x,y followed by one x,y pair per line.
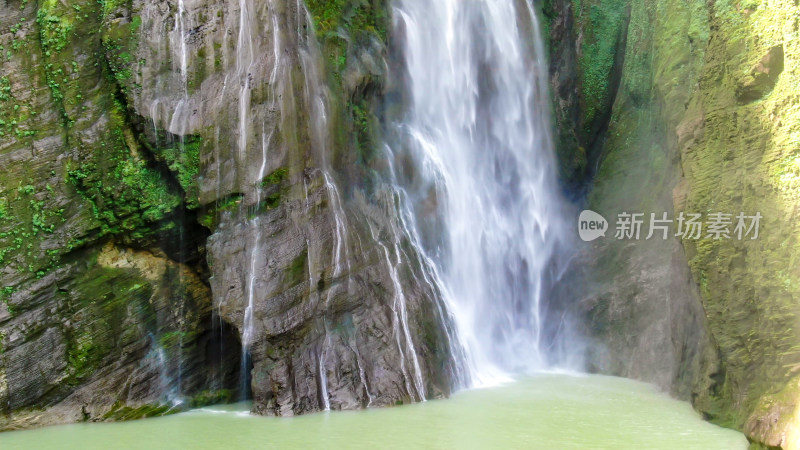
x,y
762,78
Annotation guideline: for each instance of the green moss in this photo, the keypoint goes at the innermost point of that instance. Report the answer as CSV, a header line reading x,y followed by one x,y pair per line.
x,y
296,272
602,23
210,216
106,298
122,413
171,340
743,161
57,24
275,178
275,188
361,120
55,28
120,40
136,23
83,357
211,397
351,16
684,65
5,89
5,296
125,193
341,24
183,160
26,219
270,202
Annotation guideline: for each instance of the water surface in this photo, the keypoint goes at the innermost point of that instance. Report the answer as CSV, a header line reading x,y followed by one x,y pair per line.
x,y
544,411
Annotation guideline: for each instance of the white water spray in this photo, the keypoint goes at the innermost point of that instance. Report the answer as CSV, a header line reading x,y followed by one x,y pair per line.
x,y
316,97
477,126
244,61
402,334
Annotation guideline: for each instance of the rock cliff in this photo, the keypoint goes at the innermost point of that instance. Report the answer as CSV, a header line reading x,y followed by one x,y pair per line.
x,y
688,107
182,177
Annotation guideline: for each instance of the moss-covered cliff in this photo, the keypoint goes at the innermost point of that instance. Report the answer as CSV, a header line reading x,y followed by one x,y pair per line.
x,y
166,165
702,118
739,141
105,307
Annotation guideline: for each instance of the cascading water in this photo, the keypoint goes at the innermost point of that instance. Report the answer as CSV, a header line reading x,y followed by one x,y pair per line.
x,y
178,125
244,58
244,62
400,329
255,252
178,38
316,98
477,126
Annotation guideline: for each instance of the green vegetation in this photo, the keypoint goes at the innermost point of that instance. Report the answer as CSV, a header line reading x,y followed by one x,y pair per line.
x,y
171,339
183,160
14,116
603,24
119,44
56,26
275,190
346,29
122,413
109,296
331,16
125,193
296,272
82,357
362,126
339,24
211,397
5,89
275,178
209,218
5,296
26,219
681,122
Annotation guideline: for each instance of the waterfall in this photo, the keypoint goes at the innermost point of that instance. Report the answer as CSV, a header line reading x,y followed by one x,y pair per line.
x,y
244,59
179,123
483,188
180,118
317,100
244,63
255,252
400,328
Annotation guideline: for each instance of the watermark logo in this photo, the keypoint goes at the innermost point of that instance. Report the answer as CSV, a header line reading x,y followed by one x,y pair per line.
x,y
591,225
629,226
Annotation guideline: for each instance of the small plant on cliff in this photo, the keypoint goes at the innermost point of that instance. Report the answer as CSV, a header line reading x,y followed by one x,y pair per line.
x,y
275,178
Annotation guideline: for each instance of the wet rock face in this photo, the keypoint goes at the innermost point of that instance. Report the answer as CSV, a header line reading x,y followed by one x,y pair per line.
x,y
104,311
127,331
128,125
328,336
703,121
340,315
639,304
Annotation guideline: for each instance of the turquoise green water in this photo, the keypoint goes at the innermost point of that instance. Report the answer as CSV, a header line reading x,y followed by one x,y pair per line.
x,y
545,411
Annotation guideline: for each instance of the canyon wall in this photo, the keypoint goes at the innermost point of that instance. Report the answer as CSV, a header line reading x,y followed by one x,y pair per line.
x,y
688,107
180,177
